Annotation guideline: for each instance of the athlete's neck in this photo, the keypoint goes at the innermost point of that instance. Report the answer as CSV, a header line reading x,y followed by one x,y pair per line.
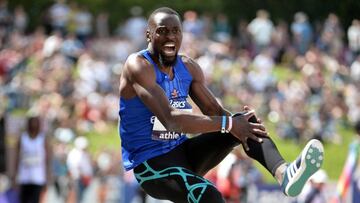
x,y
167,69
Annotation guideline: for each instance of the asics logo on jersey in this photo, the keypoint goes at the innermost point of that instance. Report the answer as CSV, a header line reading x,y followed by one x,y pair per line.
x,y
177,104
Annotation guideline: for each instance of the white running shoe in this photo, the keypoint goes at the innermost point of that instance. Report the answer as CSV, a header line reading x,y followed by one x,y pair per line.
x,y
300,170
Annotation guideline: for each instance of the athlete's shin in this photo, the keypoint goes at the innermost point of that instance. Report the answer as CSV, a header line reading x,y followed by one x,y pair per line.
x,y
265,152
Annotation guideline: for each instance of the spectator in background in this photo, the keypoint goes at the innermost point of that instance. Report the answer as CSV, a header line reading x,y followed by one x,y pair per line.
x,y
59,16
192,24
331,37
222,29
357,127
261,29
131,188
355,68
224,181
352,98
135,27
5,19
260,76
80,167
120,49
32,169
72,48
83,24
280,41
244,175
243,35
326,116
103,163
63,134
60,170
20,20
52,44
353,35
302,32
111,187
102,25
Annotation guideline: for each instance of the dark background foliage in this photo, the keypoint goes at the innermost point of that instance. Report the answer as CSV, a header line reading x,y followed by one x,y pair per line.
x,y
119,10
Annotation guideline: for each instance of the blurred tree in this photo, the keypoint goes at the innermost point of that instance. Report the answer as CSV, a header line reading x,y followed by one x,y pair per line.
x,y
279,9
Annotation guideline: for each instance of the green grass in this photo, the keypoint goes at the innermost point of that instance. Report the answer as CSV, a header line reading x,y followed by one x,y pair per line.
x,y
106,140
283,73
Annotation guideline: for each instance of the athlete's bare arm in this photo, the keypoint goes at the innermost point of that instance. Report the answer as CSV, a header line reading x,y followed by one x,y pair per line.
x,y
208,104
138,79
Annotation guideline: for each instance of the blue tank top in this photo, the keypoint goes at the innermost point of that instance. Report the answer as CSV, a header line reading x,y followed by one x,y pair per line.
x,y
142,134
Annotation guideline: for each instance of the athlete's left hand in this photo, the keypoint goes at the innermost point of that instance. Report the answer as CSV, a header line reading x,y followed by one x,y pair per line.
x,y
257,126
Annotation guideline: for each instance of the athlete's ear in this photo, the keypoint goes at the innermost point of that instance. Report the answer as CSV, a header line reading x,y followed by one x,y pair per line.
x,y
148,39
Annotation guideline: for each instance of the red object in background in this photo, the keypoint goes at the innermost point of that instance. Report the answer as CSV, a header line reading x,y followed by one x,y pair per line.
x,y
8,59
85,180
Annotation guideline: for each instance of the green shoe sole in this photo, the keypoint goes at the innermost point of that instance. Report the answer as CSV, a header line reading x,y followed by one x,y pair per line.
x,y
311,161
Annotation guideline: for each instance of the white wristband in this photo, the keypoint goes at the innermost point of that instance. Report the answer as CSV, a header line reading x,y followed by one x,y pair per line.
x,y
230,124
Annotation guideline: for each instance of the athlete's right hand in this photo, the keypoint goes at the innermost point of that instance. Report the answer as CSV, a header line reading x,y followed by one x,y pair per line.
x,y
244,129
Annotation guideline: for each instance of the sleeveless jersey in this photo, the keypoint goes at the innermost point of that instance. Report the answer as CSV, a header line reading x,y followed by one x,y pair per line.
x,y
32,166
142,134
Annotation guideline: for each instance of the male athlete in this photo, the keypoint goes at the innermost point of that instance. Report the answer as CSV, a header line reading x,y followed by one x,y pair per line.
x,y
155,115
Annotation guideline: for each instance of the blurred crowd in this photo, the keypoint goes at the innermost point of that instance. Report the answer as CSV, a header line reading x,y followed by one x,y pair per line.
x,y
303,76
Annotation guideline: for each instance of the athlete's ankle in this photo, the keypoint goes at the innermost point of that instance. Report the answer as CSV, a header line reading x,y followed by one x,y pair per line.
x,y
279,172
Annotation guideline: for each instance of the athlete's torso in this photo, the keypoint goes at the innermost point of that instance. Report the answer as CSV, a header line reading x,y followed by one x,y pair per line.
x,y
142,134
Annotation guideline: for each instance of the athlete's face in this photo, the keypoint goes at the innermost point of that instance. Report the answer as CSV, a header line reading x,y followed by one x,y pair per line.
x,y
165,35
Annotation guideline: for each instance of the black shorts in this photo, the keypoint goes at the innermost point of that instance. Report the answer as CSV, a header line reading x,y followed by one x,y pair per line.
x,y
177,175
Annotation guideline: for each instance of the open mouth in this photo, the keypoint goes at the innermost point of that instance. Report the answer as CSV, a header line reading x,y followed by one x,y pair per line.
x,y
169,49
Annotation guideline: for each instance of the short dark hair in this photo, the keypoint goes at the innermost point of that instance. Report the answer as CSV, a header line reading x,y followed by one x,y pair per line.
x,y
166,10
30,121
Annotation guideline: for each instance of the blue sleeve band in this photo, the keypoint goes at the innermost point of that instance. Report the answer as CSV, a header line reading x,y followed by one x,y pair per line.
x,y
223,124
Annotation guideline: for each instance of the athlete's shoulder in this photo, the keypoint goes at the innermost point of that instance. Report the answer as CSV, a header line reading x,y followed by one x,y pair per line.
x,y
189,62
136,59
185,58
136,62
193,67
